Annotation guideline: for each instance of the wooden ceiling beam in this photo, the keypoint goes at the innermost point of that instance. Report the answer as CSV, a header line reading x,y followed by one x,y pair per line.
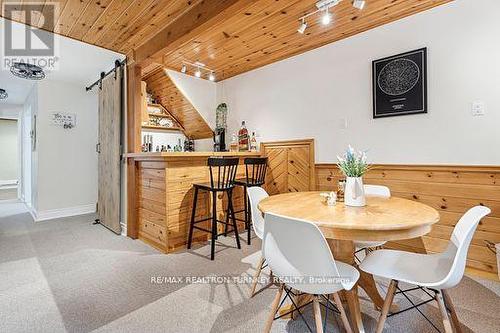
x,y
193,22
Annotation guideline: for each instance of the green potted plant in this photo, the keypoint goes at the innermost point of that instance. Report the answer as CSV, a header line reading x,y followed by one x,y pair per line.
x,y
353,165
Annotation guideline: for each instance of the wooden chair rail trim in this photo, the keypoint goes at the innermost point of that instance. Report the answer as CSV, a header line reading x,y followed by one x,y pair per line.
x,y
425,167
288,143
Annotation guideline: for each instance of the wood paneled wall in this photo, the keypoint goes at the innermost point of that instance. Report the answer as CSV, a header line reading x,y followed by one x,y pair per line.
x,y
290,166
451,190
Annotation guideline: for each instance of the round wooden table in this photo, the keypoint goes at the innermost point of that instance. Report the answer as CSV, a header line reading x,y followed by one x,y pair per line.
x,y
382,219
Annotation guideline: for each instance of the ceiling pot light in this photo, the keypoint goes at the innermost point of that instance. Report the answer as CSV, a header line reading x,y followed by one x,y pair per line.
x,y
211,77
27,71
326,18
184,68
302,27
197,73
3,94
359,4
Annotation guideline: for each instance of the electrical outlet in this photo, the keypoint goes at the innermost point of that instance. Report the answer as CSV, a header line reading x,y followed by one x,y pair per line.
x,y
478,108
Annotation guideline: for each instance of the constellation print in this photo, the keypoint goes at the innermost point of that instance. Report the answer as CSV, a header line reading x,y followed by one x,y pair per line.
x,y
398,77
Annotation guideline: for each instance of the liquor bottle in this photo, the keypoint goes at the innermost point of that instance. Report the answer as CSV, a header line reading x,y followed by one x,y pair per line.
x,y
253,142
243,137
150,143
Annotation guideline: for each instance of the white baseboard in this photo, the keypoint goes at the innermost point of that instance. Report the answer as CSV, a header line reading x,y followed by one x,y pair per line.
x,y
31,210
62,212
124,228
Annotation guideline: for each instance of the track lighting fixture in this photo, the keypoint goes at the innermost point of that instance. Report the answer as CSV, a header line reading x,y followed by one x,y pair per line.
x,y
197,73
303,26
359,4
324,6
198,69
326,18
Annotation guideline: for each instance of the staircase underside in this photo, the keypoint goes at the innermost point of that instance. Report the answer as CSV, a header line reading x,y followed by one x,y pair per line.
x,y
162,87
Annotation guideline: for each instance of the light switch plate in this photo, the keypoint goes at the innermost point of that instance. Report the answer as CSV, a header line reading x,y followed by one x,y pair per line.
x,y
478,108
343,123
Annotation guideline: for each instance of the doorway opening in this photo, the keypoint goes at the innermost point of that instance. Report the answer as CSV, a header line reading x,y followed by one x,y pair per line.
x,y
10,157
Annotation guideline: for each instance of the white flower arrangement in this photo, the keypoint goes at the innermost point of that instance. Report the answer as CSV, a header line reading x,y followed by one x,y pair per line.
x,y
353,164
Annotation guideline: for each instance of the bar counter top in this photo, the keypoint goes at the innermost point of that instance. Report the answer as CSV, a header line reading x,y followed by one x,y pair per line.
x,y
166,155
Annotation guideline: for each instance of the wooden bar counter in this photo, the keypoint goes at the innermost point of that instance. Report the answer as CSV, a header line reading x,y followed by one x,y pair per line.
x,y
161,199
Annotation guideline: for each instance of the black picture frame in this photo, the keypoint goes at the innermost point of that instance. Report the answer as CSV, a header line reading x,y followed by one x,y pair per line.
x,y
399,84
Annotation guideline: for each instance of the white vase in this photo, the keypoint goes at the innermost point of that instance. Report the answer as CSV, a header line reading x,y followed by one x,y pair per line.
x,y
354,192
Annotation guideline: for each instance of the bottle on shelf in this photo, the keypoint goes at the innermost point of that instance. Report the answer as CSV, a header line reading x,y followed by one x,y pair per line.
x,y
243,137
253,142
150,143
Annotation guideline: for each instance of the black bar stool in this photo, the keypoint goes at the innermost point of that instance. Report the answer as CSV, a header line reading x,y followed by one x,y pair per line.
x,y
226,173
255,175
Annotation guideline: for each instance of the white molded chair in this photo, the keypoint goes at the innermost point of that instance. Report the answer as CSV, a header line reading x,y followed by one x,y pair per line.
x,y
299,255
255,195
437,272
373,190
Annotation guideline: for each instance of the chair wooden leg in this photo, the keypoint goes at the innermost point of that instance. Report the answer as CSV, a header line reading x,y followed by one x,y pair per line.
x,y
274,309
454,317
226,226
193,214
444,313
317,315
387,305
247,216
214,225
233,217
354,309
256,276
343,315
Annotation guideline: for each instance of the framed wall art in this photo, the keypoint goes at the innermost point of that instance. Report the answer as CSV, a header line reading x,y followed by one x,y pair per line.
x,y
400,84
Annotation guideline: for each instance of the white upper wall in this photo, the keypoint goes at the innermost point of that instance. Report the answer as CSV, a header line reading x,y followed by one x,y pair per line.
x,y
11,111
67,160
200,92
309,96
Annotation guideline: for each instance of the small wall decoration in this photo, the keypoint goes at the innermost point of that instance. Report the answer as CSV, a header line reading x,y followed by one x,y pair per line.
x,y
400,84
65,120
221,116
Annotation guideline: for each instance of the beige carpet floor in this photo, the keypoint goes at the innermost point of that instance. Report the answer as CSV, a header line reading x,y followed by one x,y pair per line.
x,y
68,275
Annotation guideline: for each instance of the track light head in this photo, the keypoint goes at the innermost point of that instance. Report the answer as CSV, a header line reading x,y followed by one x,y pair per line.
x,y
197,73
359,4
303,27
211,76
184,68
326,18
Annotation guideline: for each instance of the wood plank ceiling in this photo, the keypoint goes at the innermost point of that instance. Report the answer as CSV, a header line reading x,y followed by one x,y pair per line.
x,y
261,32
266,31
118,25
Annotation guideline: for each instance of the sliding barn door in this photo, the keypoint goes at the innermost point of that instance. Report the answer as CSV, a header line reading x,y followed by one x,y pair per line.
x,y
110,99
290,166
